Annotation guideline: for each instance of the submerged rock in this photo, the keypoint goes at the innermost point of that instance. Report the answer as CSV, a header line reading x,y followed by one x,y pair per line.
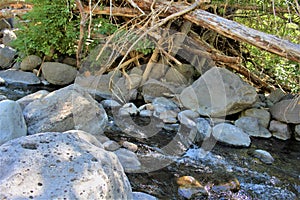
x,y
56,165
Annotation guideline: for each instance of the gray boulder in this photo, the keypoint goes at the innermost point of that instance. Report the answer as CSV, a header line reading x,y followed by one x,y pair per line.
x,y
280,130
129,160
2,97
204,129
12,123
30,62
54,165
24,101
65,109
262,115
7,55
187,118
229,134
217,93
58,73
287,111
250,125
13,76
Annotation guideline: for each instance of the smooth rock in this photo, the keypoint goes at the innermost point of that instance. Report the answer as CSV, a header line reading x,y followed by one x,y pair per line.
x,y
111,145
8,36
130,146
174,76
58,73
12,123
231,135
280,130
146,110
2,97
187,118
287,111
129,160
65,109
264,156
168,116
162,104
276,95
250,125
217,93
24,101
204,129
7,55
146,113
109,103
297,132
142,196
262,115
13,76
30,62
56,165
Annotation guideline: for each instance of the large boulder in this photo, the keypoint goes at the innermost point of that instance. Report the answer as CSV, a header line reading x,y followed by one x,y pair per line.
x,y
229,134
287,111
7,55
12,123
30,62
69,165
24,101
217,93
13,76
58,73
65,109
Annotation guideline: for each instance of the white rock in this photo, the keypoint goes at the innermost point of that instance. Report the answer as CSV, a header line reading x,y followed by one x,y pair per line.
x,y
264,156
231,135
111,145
128,109
12,123
60,166
130,146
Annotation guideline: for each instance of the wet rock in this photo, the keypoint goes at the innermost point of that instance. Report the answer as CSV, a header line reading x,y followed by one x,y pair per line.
x,y
204,129
129,160
60,165
7,55
280,130
24,101
12,123
13,76
111,145
231,135
287,111
108,103
187,118
264,156
30,62
8,36
262,115
297,132
58,73
65,109
128,109
209,99
142,196
250,125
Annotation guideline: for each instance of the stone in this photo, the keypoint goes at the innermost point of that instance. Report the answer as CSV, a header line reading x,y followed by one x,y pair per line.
x,y
297,132
133,81
12,123
129,160
136,70
142,196
175,77
217,93
146,113
168,116
30,62
146,110
276,95
229,134
8,36
250,125
7,55
154,88
130,146
55,165
111,145
280,130
162,104
187,118
2,97
24,101
128,109
109,103
65,109
58,73
204,129
262,115
70,61
2,81
287,111
264,156
13,76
